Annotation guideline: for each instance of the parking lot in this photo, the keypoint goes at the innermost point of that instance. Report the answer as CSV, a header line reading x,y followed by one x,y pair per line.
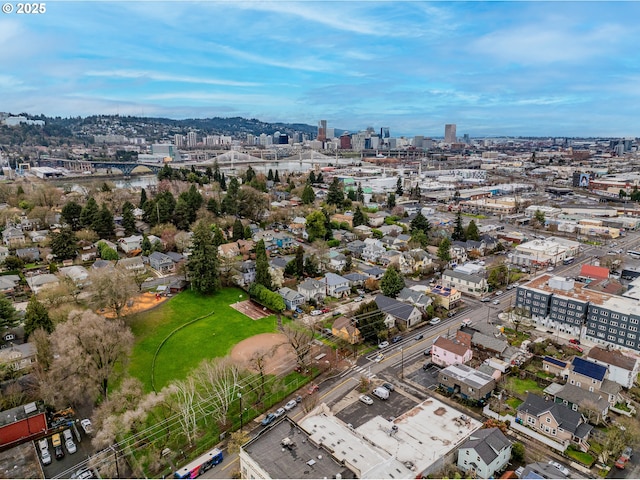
x,y
358,413
427,378
66,466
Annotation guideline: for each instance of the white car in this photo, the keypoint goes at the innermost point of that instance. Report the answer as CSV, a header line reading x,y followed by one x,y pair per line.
x,y
86,426
357,299
279,412
434,321
71,447
384,344
499,292
366,399
316,312
290,405
496,302
559,466
378,358
550,269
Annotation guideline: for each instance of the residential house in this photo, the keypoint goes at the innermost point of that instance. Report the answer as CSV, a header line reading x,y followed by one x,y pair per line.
x,y
356,248
246,246
229,250
445,352
4,253
470,246
345,329
132,264
418,299
100,264
397,312
555,366
393,230
12,236
8,283
586,375
356,279
390,257
554,420
77,273
493,346
591,404
37,236
538,470
373,250
132,244
374,272
248,272
283,240
292,299
363,231
88,252
161,263
411,208
336,285
489,242
414,260
376,219
312,290
18,357
458,254
473,285
590,273
39,282
485,453
337,261
622,368
447,297
466,382
31,254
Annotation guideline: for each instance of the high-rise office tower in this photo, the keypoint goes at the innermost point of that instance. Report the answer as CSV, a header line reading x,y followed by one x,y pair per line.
x,y
322,130
384,132
450,133
178,140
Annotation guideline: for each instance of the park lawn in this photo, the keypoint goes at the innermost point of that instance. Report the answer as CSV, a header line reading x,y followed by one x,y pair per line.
x,y
213,336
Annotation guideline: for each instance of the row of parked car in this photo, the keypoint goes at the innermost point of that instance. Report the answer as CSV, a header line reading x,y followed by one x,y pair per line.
x,y
56,441
272,417
382,392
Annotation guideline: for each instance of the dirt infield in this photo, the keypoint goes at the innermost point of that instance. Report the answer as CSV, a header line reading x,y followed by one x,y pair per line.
x,y
280,356
140,303
251,309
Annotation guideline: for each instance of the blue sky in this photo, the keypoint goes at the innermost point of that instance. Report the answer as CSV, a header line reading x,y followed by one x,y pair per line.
x,y
496,68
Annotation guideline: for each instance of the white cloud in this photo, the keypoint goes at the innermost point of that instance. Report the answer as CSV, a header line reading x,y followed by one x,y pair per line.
x,y
162,77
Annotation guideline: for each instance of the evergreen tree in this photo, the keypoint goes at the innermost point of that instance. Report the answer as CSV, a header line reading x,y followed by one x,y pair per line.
x,y
36,316
70,214
351,195
443,250
359,218
213,207
89,214
391,200
472,232
308,195
315,225
8,314
216,171
208,173
128,218
359,194
276,177
299,270
420,223
64,244
146,245
248,234
319,178
392,282
458,230
419,237
218,237
238,230
202,265
370,320
263,277
349,263
311,178
311,266
399,189
143,199
223,183
335,196
249,175
104,226
270,175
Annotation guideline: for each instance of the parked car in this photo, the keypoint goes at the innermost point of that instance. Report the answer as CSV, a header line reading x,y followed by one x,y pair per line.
x,y
299,310
325,310
427,352
44,451
68,441
57,446
396,339
389,386
384,344
485,299
327,331
435,321
575,341
564,470
549,269
86,426
290,405
367,400
269,419
624,457
381,392
427,366
420,336
499,292
496,302
575,347
83,473
313,389
279,412
315,313
298,399
378,358
357,299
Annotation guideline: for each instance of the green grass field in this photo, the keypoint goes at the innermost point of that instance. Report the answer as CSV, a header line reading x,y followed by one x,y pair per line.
x,y
213,336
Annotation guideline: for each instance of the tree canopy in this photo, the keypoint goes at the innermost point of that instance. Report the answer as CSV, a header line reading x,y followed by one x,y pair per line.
x,y
263,277
202,266
392,282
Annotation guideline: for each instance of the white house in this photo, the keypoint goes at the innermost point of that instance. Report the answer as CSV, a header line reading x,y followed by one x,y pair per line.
x,y
129,244
473,285
623,369
77,273
485,453
398,312
336,285
373,250
312,289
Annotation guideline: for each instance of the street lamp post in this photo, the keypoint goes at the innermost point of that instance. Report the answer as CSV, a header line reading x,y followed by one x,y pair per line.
x,y
402,362
241,411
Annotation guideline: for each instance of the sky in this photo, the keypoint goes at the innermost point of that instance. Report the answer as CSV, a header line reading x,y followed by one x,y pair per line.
x,y
494,69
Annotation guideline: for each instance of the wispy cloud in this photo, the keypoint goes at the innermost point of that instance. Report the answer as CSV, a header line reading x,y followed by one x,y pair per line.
x,y
163,77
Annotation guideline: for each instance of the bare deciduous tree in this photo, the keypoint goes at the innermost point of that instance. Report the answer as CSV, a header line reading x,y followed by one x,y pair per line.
x,y
112,288
91,352
218,382
300,340
184,393
258,363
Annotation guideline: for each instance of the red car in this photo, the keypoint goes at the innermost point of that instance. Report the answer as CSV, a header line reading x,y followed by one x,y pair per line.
x,y
575,347
575,341
325,310
313,389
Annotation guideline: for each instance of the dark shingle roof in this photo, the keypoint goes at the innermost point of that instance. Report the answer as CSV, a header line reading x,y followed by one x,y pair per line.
x,y
393,307
555,361
567,419
488,443
589,369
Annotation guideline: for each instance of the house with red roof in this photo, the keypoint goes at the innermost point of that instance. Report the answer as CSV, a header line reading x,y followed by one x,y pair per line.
x,y
591,272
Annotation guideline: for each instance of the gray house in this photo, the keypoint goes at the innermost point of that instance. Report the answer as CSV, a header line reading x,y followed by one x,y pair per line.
x,y
291,298
467,382
312,289
161,263
398,312
31,254
485,453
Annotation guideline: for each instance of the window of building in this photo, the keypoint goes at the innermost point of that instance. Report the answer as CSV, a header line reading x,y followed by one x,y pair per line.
x,y
574,407
611,338
633,321
548,420
595,310
531,420
591,389
553,431
615,315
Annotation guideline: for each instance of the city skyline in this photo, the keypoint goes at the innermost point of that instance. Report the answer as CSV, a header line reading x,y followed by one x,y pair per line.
x,y
493,69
